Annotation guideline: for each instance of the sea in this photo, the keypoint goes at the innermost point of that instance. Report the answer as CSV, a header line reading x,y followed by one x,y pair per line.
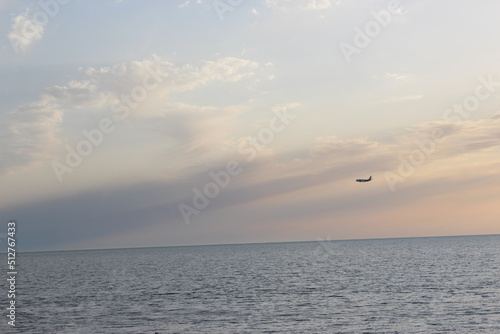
x,y
407,285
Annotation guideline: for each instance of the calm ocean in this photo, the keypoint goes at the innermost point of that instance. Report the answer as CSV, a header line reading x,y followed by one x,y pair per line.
x,y
416,285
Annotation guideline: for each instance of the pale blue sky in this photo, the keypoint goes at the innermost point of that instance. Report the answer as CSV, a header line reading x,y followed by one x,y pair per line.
x,y
225,78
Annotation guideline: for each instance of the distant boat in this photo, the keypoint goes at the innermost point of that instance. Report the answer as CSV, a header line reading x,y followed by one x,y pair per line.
x,y
364,180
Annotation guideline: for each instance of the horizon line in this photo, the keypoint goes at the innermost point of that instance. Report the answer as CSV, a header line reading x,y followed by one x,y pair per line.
x,y
253,243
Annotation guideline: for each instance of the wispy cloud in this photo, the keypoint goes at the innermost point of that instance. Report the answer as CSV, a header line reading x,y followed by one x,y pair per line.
x,y
120,79
467,137
397,76
30,134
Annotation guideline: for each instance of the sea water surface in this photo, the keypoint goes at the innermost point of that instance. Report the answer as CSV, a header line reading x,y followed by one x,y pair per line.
x,y
414,285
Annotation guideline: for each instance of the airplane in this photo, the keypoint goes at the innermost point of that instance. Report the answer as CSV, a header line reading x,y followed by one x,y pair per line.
x,y
364,180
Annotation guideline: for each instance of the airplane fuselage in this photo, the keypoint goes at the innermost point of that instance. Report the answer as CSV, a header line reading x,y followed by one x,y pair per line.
x,y
364,180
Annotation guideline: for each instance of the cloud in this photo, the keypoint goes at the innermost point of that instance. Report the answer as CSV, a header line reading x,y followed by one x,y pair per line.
x,y
316,183
31,130
474,137
397,76
330,153
25,31
194,130
165,78
78,94
331,145
114,210
329,161
256,12
456,138
30,134
333,159
197,133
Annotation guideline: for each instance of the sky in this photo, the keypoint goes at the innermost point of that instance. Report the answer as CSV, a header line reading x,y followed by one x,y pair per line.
x,y
162,123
